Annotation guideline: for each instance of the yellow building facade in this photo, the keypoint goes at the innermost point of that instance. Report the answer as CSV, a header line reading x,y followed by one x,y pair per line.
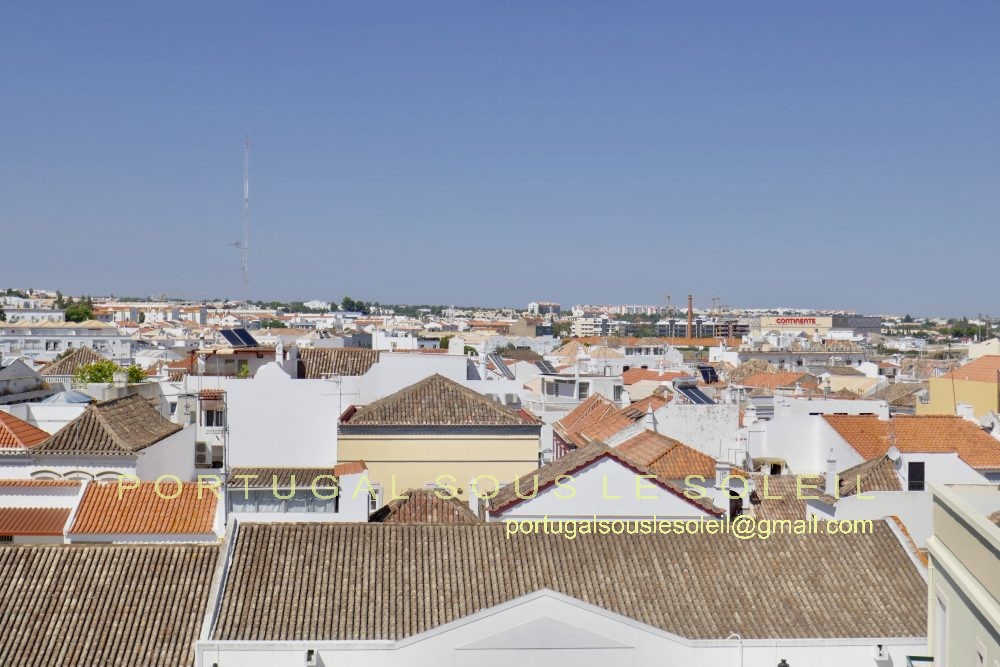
x,y
438,432
397,462
974,384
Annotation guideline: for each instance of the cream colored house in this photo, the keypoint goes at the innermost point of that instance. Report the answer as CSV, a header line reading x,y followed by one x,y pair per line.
x,y
438,432
977,383
964,590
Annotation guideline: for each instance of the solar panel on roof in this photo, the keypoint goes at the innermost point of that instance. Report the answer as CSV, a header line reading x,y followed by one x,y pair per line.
x,y
545,367
245,336
695,395
708,373
501,367
232,338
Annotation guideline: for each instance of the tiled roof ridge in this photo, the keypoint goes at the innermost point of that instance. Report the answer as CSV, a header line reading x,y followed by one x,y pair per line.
x,y
443,384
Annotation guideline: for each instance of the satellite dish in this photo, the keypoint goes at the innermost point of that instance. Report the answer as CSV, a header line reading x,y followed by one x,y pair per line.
x,y
892,454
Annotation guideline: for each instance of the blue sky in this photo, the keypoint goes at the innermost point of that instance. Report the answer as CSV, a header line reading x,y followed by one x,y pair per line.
x,y
805,154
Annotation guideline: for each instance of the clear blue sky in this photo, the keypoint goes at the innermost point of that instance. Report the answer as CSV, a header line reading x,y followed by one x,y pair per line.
x,y
781,153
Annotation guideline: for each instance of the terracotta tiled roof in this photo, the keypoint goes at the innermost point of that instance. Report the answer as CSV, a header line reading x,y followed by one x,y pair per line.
x,y
633,375
71,363
783,501
33,520
667,457
37,483
694,586
778,380
111,428
879,474
983,369
582,416
434,401
103,605
349,468
621,419
899,394
212,394
16,433
425,506
282,478
577,460
750,367
871,437
107,508
316,363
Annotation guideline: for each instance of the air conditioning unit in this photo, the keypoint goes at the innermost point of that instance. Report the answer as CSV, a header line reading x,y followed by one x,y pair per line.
x,y
202,454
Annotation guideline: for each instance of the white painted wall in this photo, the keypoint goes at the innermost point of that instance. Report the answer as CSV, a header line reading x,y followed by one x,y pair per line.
x,y
804,441
912,507
797,405
174,455
275,420
62,496
710,429
50,417
544,629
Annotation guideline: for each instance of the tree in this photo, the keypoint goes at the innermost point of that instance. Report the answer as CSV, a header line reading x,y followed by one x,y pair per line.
x,y
272,324
135,375
60,301
908,319
79,311
99,372
351,305
142,317
3,315
443,342
103,372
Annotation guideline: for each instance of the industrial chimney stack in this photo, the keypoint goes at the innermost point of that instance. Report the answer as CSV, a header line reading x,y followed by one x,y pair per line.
x,y
690,316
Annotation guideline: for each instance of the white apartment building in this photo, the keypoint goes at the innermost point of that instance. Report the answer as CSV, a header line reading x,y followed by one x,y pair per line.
x,y
43,341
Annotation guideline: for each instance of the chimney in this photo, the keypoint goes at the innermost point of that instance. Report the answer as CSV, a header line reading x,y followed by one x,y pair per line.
x,y
650,419
690,316
474,496
482,365
721,471
832,485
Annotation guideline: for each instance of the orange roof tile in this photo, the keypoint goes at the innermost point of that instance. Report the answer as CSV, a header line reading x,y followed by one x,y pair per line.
x,y
666,456
106,509
584,415
621,419
16,433
633,375
871,437
33,520
983,369
37,483
349,468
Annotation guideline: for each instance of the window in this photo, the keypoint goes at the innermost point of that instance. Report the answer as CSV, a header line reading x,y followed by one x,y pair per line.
x,y
373,501
215,418
618,393
915,476
584,390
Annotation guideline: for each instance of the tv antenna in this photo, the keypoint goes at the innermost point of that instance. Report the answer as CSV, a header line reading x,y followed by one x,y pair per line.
x,y
244,245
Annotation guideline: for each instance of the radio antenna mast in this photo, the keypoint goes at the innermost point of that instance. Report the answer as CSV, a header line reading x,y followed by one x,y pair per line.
x,y
246,217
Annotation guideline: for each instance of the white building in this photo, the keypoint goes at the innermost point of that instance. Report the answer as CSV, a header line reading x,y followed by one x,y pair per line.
x,y
477,595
